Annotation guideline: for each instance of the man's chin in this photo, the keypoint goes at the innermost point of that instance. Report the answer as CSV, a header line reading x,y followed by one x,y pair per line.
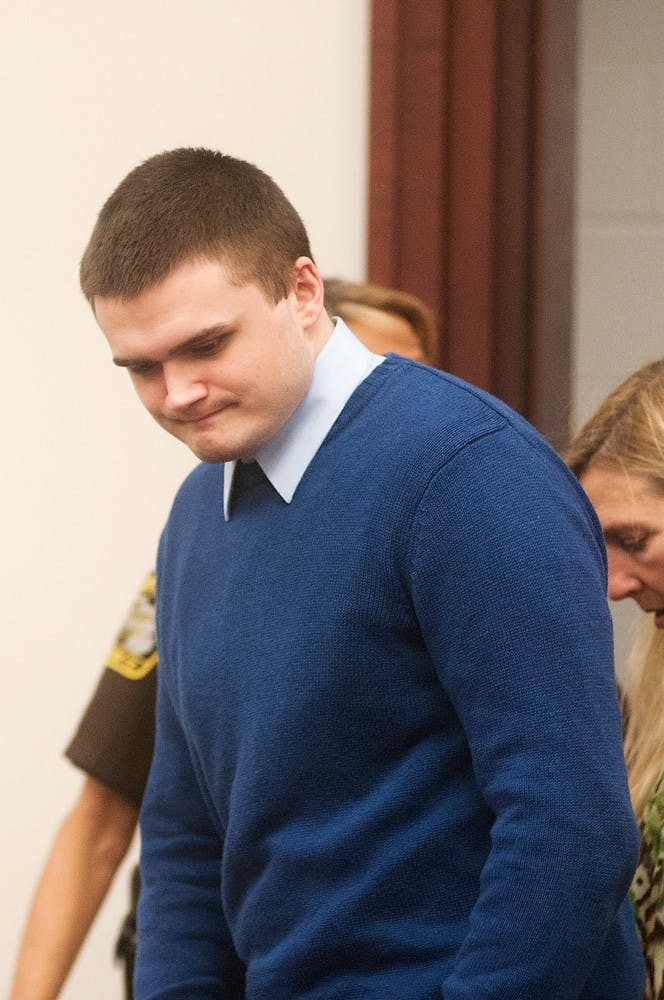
x,y
209,447
215,452
213,455
205,450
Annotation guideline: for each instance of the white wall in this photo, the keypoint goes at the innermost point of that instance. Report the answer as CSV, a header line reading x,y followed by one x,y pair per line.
x,y
88,90
619,321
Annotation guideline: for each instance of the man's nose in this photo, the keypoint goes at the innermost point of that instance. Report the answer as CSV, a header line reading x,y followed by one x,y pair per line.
x,y
623,578
183,389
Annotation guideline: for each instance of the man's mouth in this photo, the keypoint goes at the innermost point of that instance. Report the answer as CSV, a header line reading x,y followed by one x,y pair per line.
x,y
204,416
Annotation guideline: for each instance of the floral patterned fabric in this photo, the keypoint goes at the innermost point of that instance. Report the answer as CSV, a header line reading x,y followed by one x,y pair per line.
x,y
647,893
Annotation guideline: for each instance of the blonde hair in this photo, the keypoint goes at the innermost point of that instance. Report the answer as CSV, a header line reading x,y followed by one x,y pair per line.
x,y
627,433
343,297
644,725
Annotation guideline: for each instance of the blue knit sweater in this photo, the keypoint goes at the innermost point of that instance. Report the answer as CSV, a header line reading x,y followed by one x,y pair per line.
x,y
388,761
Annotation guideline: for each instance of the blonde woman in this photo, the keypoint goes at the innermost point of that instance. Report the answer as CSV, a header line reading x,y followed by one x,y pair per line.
x,y
619,458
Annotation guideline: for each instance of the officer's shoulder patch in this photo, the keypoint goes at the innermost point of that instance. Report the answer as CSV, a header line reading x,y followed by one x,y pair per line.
x,y
134,653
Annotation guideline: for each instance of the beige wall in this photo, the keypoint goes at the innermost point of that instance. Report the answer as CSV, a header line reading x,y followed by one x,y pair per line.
x,y
620,262
88,90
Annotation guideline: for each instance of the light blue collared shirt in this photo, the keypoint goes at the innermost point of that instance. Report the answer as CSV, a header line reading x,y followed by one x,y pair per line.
x,y
338,370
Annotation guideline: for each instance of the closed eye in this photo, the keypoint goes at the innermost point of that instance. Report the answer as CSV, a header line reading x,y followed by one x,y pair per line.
x,y
207,349
204,345
143,369
634,545
628,542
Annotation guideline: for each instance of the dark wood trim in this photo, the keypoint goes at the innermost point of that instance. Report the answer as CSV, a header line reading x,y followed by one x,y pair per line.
x,y
470,208
514,197
384,161
554,219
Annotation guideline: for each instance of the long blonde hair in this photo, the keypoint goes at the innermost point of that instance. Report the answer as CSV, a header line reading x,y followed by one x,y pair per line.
x,y
626,432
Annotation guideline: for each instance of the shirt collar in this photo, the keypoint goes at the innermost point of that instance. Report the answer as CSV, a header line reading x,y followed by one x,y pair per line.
x,y
338,370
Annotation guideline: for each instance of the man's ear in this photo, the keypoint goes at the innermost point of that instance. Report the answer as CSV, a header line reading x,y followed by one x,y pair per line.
x,y
308,291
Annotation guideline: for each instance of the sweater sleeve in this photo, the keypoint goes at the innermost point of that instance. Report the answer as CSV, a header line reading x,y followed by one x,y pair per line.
x,y
184,945
509,583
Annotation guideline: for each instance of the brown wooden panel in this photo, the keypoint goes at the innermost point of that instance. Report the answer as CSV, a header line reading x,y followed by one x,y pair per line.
x,y
384,160
471,185
514,226
554,234
471,140
422,132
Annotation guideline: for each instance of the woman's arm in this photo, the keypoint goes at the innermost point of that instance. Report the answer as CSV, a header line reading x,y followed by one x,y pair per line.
x,y
88,848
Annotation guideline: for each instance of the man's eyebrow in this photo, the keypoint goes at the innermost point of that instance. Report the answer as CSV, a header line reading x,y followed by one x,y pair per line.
x,y
128,362
219,330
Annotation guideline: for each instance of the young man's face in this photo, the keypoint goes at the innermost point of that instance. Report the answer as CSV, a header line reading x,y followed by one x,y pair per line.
x,y
217,364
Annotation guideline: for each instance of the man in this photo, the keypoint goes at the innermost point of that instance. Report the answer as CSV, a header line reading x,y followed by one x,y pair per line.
x,y
114,740
388,758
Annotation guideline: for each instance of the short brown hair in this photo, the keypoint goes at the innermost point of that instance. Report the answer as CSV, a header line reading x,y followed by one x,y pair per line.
x,y
343,297
185,204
